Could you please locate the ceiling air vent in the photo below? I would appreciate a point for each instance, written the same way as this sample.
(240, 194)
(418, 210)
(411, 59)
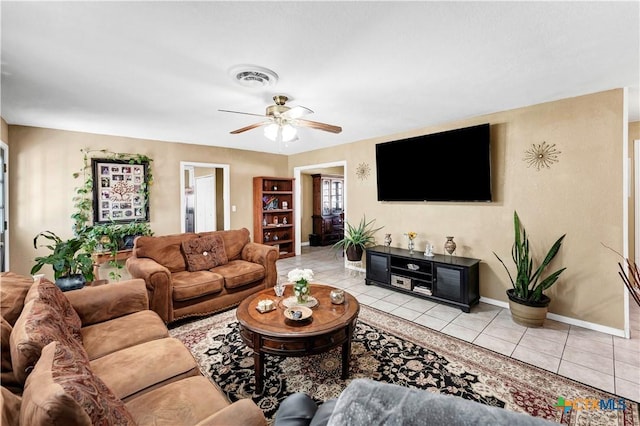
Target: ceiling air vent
(253, 76)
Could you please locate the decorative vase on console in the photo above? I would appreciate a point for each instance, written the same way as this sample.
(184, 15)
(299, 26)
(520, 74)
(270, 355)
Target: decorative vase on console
(387, 240)
(300, 279)
(411, 236)
(450, 245)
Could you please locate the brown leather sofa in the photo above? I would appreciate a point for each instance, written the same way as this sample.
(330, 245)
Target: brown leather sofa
(195, 274)
(98, 355)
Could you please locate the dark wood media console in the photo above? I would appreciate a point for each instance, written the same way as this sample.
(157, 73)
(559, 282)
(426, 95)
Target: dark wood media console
(448, 279)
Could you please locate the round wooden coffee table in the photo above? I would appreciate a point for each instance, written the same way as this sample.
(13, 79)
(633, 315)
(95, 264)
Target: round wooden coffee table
(272, 333)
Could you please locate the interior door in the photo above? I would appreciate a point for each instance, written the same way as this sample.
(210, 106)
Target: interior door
(205, 207)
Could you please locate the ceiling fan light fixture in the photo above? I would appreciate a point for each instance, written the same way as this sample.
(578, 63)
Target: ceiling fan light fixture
(289, 133)
(253, 76)
(286, 132)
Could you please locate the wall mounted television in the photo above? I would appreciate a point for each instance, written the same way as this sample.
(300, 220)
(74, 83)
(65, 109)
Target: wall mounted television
(454, 165)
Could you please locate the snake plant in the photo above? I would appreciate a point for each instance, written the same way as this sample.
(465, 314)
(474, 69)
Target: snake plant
(528, 283)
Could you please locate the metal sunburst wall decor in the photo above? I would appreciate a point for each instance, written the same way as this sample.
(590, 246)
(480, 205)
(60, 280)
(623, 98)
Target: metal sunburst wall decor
(541, 155)
(362, 171)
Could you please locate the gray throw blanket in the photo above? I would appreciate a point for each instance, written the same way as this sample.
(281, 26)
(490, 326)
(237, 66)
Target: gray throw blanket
(369, 403)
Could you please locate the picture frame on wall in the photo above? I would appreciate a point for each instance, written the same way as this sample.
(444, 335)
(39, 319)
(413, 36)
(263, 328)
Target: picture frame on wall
(119, 191)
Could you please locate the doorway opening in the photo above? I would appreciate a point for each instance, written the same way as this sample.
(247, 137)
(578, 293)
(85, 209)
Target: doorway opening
(297, 194)
(204, 197)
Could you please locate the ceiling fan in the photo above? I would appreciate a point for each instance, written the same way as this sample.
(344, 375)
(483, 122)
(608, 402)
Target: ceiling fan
(281, 121)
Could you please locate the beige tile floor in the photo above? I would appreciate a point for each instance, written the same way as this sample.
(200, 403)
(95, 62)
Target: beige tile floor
(601, 360)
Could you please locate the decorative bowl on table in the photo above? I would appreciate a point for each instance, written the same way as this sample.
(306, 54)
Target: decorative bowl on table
(298, 313)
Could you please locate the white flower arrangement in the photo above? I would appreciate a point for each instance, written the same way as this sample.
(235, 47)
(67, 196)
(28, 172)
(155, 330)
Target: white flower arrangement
(302, 276)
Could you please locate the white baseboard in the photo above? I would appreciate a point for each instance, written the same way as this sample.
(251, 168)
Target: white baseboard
(567, 320)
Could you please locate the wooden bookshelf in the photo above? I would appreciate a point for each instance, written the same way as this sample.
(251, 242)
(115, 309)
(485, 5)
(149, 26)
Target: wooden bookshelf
(273, 213)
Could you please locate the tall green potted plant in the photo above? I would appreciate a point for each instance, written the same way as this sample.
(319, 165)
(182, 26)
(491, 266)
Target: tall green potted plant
(71, 268)
(357, 238)
(527, 301)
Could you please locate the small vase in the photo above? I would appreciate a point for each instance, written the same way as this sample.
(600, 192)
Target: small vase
(337, 296)
(301, 290)
(450, 245)
(411, 246)
(387, 240)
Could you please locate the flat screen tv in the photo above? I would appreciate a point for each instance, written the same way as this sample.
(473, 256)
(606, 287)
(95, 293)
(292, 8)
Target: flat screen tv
(454, 165)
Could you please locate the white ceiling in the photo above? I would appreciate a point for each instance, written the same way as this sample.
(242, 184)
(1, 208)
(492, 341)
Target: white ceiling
(159, 70)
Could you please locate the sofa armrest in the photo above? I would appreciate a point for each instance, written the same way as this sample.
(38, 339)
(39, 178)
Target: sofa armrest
(158, 282)
(241, 413)
(108, 301)
(264, 255)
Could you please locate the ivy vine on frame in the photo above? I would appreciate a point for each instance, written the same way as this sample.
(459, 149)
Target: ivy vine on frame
(83, 200)
(106, 237)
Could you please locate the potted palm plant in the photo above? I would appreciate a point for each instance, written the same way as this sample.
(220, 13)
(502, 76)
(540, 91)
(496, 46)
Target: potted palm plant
(527, 301)
(71, 269)
(357, 238)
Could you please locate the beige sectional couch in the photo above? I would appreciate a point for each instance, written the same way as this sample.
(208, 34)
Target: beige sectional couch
(194, 274)
(98, 355)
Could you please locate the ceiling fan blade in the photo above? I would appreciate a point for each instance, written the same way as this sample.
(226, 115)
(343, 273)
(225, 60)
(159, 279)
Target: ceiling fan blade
(297, 112)
(240, 112)
(320, 126)
(250, 127)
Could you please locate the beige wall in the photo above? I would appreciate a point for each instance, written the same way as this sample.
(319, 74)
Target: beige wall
(581, 196)
(306, 210)
(42, 186)
(634, 135)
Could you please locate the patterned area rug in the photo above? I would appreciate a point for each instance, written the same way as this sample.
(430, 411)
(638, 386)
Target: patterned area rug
(390, 349)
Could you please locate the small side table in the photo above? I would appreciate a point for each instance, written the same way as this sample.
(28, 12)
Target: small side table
(100, 258)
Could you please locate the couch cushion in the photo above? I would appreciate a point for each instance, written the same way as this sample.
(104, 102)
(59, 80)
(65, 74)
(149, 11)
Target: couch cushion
(6, 376)
(13, 290)
(38, 325)
(204, 253)
(185, 402)
(190, 285)
(106, 337)
(49, 293)
(145, 366)
(234, 241)
(238, 273)
(95, 304)
(165, 249)
(10, 404)
(63, 390)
